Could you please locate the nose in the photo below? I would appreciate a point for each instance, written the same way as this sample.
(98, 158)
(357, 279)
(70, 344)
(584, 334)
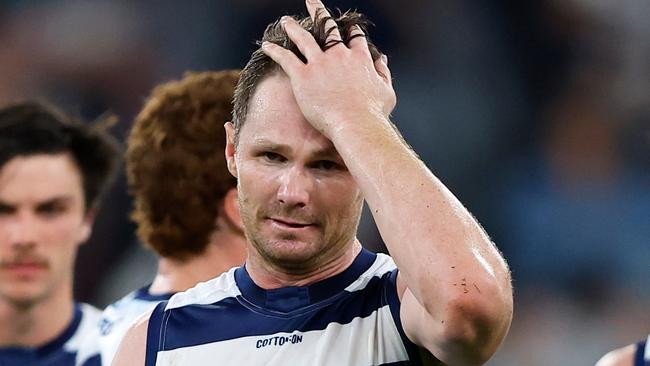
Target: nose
(21, 231)
(295, 187)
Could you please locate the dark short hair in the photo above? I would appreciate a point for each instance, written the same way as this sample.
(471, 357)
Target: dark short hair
(175, 162)
(261, 66)
(31, 128)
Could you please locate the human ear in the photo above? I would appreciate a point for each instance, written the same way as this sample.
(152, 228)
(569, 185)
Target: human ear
(230, 148)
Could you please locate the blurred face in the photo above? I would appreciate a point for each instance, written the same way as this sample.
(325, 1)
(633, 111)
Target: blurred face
(42, 222)
(299, 204)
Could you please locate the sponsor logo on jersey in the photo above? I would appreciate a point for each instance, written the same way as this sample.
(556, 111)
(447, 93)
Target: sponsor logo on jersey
(278, 340)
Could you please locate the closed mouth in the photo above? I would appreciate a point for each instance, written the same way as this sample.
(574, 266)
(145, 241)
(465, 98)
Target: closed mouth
(290, 223)
(23, 265)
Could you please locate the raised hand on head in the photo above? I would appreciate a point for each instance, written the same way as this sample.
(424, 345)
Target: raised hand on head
(339, 85)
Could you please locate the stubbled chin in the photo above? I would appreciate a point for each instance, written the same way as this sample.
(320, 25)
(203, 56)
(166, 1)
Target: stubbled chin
(290, 246)
(289, 250)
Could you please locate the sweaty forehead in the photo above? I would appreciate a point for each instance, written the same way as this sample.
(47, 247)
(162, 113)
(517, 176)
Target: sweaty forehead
(275, 116)
(273, 96)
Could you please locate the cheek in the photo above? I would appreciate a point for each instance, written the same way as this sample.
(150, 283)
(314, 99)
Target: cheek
(5, 233)
(62, 244)
(62, 232)
(340, 193)
(342, 201)
(256, 184)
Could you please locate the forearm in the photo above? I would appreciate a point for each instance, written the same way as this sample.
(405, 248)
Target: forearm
(442, 252)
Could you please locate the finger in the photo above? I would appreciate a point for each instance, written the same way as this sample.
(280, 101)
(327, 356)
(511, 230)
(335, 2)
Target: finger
(381, 65)
(358, 40)
(287, 60)
(300, 37)
(317, 11)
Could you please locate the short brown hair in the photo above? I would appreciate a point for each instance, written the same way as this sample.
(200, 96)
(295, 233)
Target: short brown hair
(31, 128)
(175, 162)
(260, 65)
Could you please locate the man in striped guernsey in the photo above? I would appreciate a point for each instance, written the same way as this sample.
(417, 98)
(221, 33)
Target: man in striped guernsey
(175, 166)
(310, 140)
(53, 170)
(637, 354)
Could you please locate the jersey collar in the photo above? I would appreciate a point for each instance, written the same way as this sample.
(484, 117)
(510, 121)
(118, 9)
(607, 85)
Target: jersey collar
(287, 299)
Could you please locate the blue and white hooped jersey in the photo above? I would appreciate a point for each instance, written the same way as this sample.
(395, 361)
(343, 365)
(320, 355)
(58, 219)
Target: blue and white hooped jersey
(74, 347)
(642, 357)
(350, 319)
(117, 318)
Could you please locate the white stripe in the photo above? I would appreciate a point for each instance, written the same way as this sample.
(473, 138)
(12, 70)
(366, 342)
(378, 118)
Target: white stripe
(208, 292)
(84, 341)
(225, 286)
(120, 316)
(382, 265)
(646, 354)
(372, 340)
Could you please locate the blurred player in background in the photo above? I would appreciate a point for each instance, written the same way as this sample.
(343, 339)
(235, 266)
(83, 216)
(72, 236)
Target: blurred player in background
(637, 354)
(185, 198)
(53, 172)
(311, 140)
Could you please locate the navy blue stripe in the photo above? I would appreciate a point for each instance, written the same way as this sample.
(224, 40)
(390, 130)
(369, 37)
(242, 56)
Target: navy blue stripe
(638, 357)
(51, 354)
(392, 297)
(153, 334)
(96, 360)
(144, 295)
(235, 317)
(294, 297)
(19, 356)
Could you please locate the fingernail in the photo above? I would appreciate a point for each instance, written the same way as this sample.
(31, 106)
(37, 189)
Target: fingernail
(313, 1)
(384, 58)
(266, 44)
(286, 19)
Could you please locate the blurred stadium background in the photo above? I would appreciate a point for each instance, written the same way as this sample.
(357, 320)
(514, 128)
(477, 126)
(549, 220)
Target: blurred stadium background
(535, 113)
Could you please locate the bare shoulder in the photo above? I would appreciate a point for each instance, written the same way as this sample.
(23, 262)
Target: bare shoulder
(132, 349)
(619, 357)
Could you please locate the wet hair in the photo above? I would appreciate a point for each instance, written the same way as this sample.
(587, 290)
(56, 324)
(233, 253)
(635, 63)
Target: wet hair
(31, 128)
(175, 162)
(261, 66)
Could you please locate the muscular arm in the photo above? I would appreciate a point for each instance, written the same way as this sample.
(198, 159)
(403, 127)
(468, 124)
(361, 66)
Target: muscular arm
(133, 348)
(454, 284)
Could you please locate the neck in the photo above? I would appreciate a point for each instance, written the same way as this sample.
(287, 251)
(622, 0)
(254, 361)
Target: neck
(34, 325)
(268, 276)
(225, 250)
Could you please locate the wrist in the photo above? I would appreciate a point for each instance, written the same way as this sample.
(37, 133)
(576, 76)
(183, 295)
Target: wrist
(365, 122)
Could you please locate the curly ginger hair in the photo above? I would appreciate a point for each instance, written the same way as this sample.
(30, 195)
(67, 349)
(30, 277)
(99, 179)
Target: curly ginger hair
(175, 162)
